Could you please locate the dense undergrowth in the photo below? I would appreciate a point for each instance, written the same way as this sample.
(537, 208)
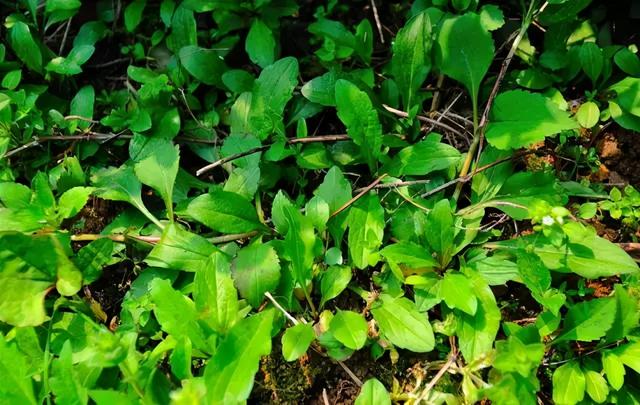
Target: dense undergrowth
(210, 201)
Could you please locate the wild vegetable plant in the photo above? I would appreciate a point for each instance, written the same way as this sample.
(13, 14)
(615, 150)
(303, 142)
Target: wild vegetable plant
(192, 191)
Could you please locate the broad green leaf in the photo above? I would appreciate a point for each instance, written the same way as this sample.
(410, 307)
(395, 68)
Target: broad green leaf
(486, 184)
(627, 61)
(401, 323)
(205, 65)
(17, 386)
(592, 60)
(321, 89)
(29, 268)
(336, 191)
(513, 355)
(256, 270)
(179, 249)
(614, 369)
(24, 46)
(586, 254)
(296, 340)
(224, 211)
(317, 210)
(596, 386)
(121, 184)
(373, 392)
(66, 383)
(512, 126)
(411, 58)
(627, 315)
(440, 232)
(215, 296)
(11, 80)
(72, 201)
(356, 112)
(272, 90)
(82, 105)
(476, 333)
(334, 280)
(588, 114)
(533, 272)
(465, 51)
(177, 314)
(183, 29)
(159, 171)
(629, 354)
(588, 320)
(410, 254)
(133, 14)
(91, 258)
(491, 17)
(457, 292)
(238, 81)
(366, 229)
(568, 384)
(260, 44)
(230, 372)
(423, 158)
(350, 328)
(299, 242)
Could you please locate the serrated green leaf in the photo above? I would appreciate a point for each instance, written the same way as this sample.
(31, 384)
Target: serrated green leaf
(356, 111)
(465, 51)
(568, 384)
(215, 295)
(423, 158)
(373, 392)
(260, 44)
(179, 249)
(230, 373)
(596, 386)
(457, 292)
(512, 126)
(410, 254)
(350, 328)
(614, 369)
(296, 340)
(411, 60)
(256, 270)
(440, 232)
(177, 314)
(159, 171)
(224, 211)
(588, 320)
(334, 280)
(205, 65)
(366, 229)
(18, 384)
(401, 323)
(476, 333)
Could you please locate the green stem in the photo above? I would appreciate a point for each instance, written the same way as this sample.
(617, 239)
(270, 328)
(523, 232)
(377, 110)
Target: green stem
(47, 358)
(472, 150)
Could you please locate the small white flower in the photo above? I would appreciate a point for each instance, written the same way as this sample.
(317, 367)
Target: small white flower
(548, 220)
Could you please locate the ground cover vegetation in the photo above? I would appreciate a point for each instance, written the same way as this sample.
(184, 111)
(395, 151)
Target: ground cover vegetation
(221, 201)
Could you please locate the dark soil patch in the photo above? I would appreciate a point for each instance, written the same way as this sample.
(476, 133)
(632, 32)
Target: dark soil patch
(619, 151)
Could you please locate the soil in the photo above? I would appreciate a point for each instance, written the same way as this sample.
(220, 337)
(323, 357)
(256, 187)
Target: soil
(619, 151)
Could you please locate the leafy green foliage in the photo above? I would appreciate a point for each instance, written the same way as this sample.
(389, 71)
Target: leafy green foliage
(183, 183)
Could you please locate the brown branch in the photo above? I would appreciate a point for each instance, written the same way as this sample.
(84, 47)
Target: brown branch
(376, 17)
(123, 238)
(422, 118)
(466, 178)
(93, 136)
(396, 184)
(310, 139)
(357, 197)
(453, 356)
(484, 120)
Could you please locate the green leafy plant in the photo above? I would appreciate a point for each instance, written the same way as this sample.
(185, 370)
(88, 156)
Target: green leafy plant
(210, 202)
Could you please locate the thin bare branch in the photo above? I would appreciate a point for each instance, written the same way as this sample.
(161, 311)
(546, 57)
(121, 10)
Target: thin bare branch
(357, 196)
(376, 17)
(310, 139)
(422, 118)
